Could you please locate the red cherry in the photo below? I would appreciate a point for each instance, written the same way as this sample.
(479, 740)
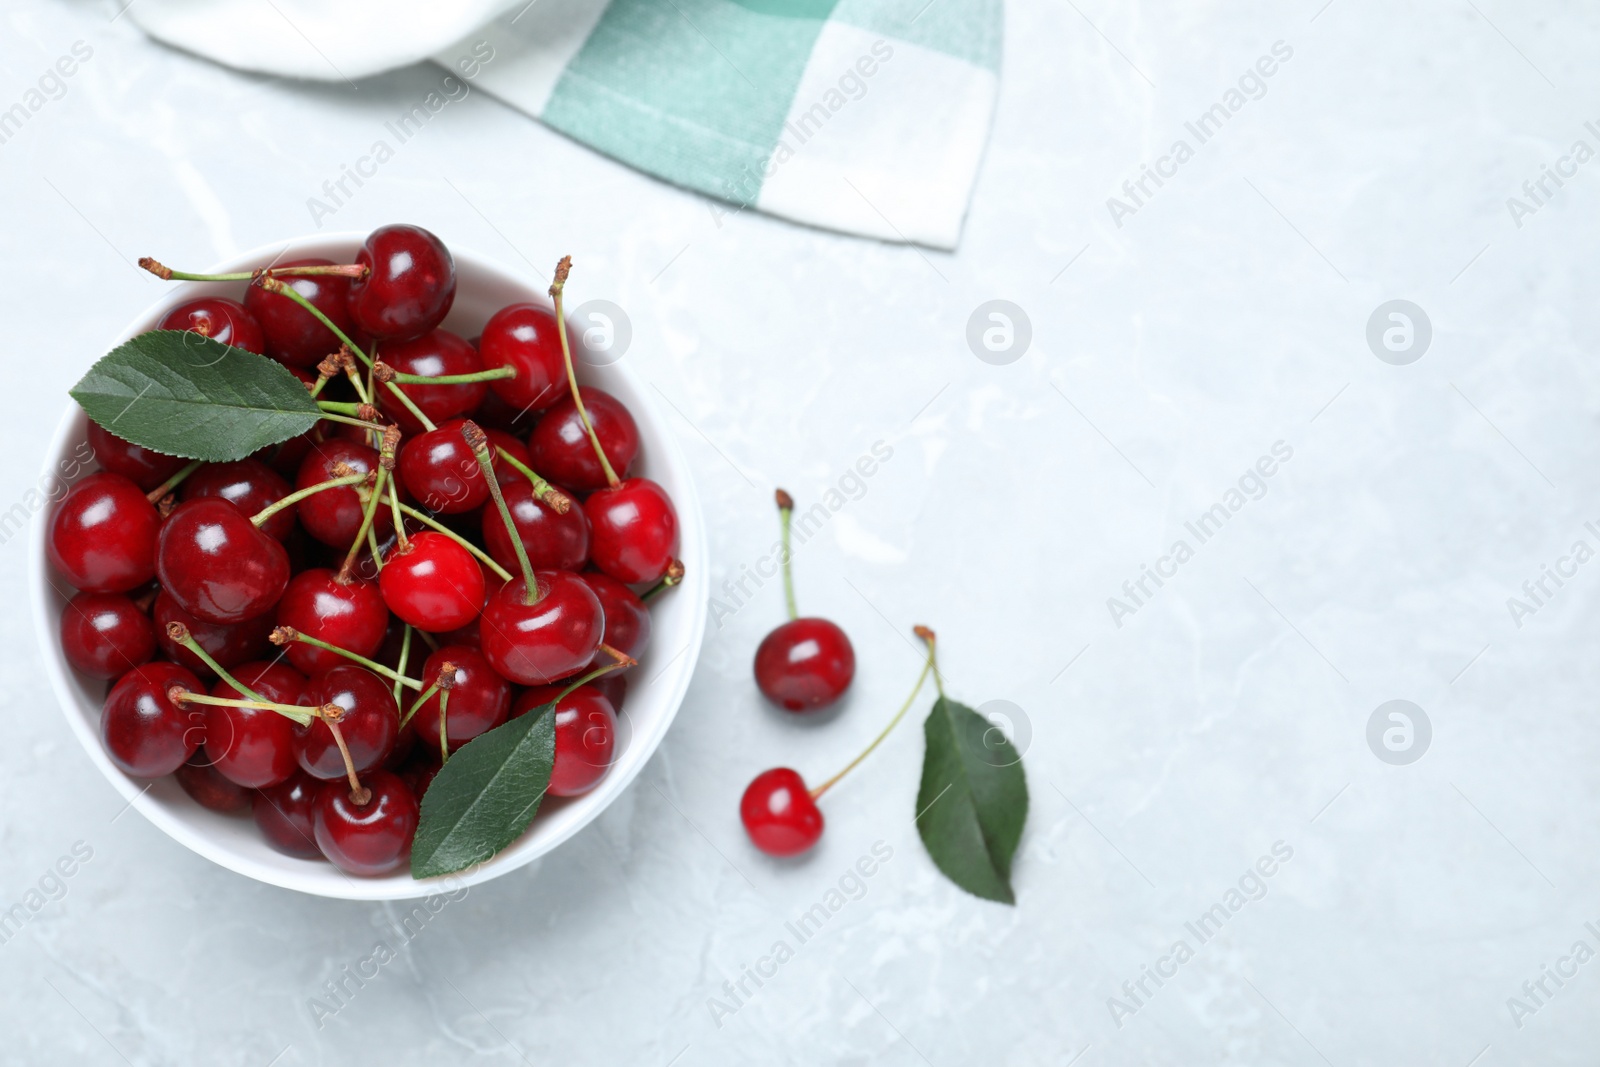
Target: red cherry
(349, 614)
(210, 789)
(805, 664)
(410, 285)
(253, 746)
(366, 839)
(779, 814)
(553, 541)
(432, 355)
(441, 472)
(524, 336)
(634, 530)
(480, 700)
(105, 635)
(613, 686)
(562, 451)
(145, 468)
(103, 536)
(627, 618)
(145, 734)
(432, 583)
(499, 439)
(370, 724)
(333, 516)
(228, 643)
(293, 335)
(250, 484)
(283, 814)
(552, 638)
(220, 319)
(586, 737)
(217, 565)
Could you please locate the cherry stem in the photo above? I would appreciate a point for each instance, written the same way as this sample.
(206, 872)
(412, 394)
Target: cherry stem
(478, 441)
(178, 632)
(302, 715)
(927, 666)
(785, 513)
(284, 634)
(400, 667)
(933, 655)
(444, 707)
(454, 379)
(563, 268)
(173, 482)
(542, 489)
(401, 542)
(374, 495)
(386, 375)
(300, 494)
(673, 577)
(166, 273)
(428, 520)
(359, 794)
(416, 704)
(372, 546)
(334, 416)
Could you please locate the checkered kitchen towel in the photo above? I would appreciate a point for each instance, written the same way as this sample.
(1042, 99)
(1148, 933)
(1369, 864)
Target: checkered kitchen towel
(866, 116)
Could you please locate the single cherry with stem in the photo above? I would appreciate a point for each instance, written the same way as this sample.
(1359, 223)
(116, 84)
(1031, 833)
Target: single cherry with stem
(346, 611)
(254, 747)
(478, 698)
(294, 335)
(428, 370)
(560, 444)
(359, 731)
(432, 582)
(806, 663)
(554, 539)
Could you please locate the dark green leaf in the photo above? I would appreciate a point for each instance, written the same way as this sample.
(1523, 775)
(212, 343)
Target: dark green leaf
(186, 395)
(486, 795)
(973, 800)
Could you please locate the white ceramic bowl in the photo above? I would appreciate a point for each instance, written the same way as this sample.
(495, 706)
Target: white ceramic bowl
(655, 688)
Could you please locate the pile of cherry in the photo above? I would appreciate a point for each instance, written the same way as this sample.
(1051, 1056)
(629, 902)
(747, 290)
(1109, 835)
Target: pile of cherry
(310, 632)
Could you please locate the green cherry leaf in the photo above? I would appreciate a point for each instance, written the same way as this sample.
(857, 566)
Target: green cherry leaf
(186, 395)
(973, 800)
(485, 795)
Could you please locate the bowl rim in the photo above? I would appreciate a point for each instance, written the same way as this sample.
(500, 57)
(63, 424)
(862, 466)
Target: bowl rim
(321, 878)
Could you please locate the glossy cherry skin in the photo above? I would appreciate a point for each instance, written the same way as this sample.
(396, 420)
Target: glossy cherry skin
(228, 643)
(145, 734)
(627, 618)
(145, 468)
(499, 439)
(250, 484)
(633, 530)
(105, 635)
(220, 319)
(410, 285)
(103, 535)
(210, 789)
(779, 814)
(551, 639)
(562, 451)
(369, 839)
(333, 516)
(283, 815)
(252, 746)
(480, 701)
(370, 725)
(586, 735)
(432, 583)
(805, 664)
(440, 470)
(217, 565)
(293, 335)
(349, 614)
(553, 541)
(523, 336)
(432, 355)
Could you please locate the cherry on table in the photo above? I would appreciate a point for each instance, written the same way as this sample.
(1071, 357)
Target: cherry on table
(250, 485)
(524, 337)
(283, 815)
(410, 284)
(105, 635)
(432, 583)
(433, 355)
(561, 448)
(220, 319)
(254, 747)
(145, 467)
(145, 734)
(228, 643)
(217, 564)
(633, 530)
(552, 540)
(479, 700)
(292, 334)
(350, 614)
(807, 663)
(779, 814)
(370, 723)
(103, 535)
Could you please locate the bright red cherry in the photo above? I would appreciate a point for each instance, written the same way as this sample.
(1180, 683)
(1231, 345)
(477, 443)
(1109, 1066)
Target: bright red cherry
(145, 734)
(333, 516)
(293, 335)
(479, 701)
(217, 565)
(432, 355)
(562, 451)
(779, 814)
(627, 618)
(228, 643)
(523, 336)
(553, 541)
(432, 583)
(350, 614)
(805, 664)
(105, 635)
(250, 484)
(552, 638)
(103, 536)
(254, 747)
(220, 319)
(209, 788)
(441, 472)
(145, 468)
(366, 839)
(410, 285)
(634, 530)
(370, 724)
(283, 814)
(586, 735)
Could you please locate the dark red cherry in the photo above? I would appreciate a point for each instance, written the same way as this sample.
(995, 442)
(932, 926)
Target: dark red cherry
(504, 472)
(497, 413)
(633, 530)
(252, 746)
(333, 516)
(441, 472)
(523, 336)
(805, 664)
(217, 565)
(562, 451)
(432, 355)
(228, 643)
(779, 814)
(627, 618)
(293, 335)
(209, 788)
(283, 814)
(479, 702)
(613, 686)
(553, 541)
(554, 637)
(144, 468)
(250, 484)
(366, 839)
(410, 285)
(349, 614)
(145, 734)
(105, 635)
(370, 724)
(419, 772)
(103, 535)
(220, 319)
(432, 583)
